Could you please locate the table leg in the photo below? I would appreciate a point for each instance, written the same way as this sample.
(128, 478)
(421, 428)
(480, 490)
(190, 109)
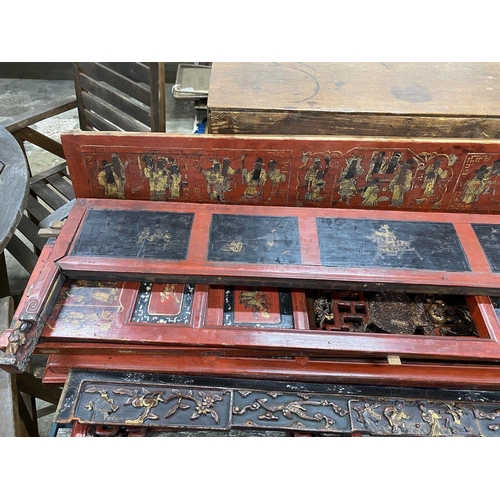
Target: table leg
(4, 278)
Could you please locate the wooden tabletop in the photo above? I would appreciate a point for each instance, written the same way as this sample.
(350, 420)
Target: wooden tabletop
(426, 99)
(14, 185)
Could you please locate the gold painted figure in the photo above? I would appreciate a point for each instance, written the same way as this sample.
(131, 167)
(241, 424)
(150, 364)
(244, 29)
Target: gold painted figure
(255, 180)
(376, 165)
(401, 183)
(480, 183)
(169, 291)
(348, 179)
(315, 179)
(388, 244)
(276, 177)
(433, 174)
(257, 302)
(216, 183)
(159, 178)
(175, 182)
(228, 171)
(159, 236)
(235, 246)
(112, 177)
(370, 194)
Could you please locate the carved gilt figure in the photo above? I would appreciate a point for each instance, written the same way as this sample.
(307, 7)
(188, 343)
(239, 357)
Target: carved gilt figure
(323, 311)
(456, 424)
(396, 417)
(431, 417)
(369, 417)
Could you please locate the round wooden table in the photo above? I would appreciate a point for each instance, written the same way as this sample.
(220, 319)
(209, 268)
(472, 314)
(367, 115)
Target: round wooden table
(14, 189)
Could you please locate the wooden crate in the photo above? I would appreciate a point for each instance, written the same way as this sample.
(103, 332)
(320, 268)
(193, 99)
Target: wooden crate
(365, 99)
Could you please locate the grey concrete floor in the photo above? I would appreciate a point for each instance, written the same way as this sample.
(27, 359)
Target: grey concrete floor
(18, 95)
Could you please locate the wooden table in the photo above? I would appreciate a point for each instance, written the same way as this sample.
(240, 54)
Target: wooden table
(377, 99)
(14, 188)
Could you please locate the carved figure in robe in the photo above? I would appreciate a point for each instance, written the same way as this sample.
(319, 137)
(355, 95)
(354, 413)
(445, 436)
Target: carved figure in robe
(348, 179)
(276, 177)
(175, 181)
(370, 193)
(401, 183)
(315, 179)
(480, 183)
(433, 174)
(216, 183)
(112, 177)
(159, 180)
(396, 417)
(432, 418)
(255, 180)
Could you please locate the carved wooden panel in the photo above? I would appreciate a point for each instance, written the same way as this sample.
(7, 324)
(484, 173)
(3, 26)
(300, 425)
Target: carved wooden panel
(163, 402)
(448, 175)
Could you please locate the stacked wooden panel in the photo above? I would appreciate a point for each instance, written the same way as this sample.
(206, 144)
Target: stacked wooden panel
(363, 261)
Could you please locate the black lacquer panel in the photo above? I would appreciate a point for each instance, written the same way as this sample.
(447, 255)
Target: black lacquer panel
(489, 237)
(135, 234)
(393, 244)
(167, 303)
(254, 239)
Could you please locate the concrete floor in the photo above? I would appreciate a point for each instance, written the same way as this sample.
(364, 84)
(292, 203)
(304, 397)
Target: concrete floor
(26, 86)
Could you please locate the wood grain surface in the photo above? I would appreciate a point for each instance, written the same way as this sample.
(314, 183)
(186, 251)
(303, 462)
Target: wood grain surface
(396, 99)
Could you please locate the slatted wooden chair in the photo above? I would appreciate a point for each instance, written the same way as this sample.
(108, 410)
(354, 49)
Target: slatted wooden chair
(48, 191)
(121, 96)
